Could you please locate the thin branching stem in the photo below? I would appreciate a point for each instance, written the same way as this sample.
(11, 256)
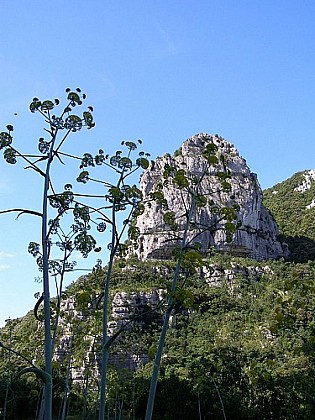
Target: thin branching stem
(22, 211)
(46, 291)
(32, 165)
(17, 353)
(159, 352)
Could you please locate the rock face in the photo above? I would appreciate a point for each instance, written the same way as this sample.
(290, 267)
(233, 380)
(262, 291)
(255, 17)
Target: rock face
(257, 235)
(309, 178)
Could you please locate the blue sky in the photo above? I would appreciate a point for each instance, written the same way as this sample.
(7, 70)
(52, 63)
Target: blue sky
(160, 71)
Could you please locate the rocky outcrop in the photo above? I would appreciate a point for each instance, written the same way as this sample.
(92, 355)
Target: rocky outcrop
(126, 305)
(141, 310)
(308, 180)
(257, 233)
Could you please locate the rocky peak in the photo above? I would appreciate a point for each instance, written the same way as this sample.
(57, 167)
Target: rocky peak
(257, 235)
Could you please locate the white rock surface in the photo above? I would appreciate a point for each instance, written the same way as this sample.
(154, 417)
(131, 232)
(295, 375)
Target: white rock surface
(309, 178)
(257, 236)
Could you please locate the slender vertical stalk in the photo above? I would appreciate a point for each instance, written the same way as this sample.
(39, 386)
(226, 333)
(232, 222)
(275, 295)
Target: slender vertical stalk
(199, 406)
(71, 123)
(66, 391)
(114, 247)
(45, 254)
(85, 391)
(10, 375)
(59, 296)
(133, 400)
(159, 352)
(219, 395)
(39, 405)
(6, 402)
(105, 320)
(158, 355)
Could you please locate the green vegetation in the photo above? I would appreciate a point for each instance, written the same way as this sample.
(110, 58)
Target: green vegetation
(203, 338)
(244, 343)
(295, 220)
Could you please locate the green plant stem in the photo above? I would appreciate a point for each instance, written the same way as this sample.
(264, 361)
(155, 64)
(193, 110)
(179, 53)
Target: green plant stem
(66, 390)
(45, 254)
(105, 347)
(6, 402)
(105, 322)
(17, 353)
(219, 395)
(159, 352)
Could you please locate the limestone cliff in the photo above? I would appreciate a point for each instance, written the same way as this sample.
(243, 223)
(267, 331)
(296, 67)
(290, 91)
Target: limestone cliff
(257, 235)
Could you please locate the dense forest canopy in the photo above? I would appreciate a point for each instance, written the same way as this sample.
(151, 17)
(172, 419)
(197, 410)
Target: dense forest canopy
(291, 203)
(242, 346)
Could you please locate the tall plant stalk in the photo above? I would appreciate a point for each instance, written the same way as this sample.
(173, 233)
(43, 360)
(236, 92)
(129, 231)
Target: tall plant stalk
(46, 288)
(114, 249)
(49, 151)
(105, 354)
(121, 198)
(189, 188)
(169, 308)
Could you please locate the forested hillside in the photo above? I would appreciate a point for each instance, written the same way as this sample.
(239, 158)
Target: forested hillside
(241, 344)
(292, 204)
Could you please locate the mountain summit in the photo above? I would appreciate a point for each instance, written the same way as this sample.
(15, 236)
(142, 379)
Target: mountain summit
(256, 236)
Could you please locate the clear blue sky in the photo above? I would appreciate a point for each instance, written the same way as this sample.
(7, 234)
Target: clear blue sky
(160, 71)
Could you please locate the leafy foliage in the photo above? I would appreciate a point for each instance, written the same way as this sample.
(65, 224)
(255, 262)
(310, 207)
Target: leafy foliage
(294, 215)
(241, 331)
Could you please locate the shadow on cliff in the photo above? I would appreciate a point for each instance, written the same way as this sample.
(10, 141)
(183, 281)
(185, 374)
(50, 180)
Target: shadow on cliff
(302, 248)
